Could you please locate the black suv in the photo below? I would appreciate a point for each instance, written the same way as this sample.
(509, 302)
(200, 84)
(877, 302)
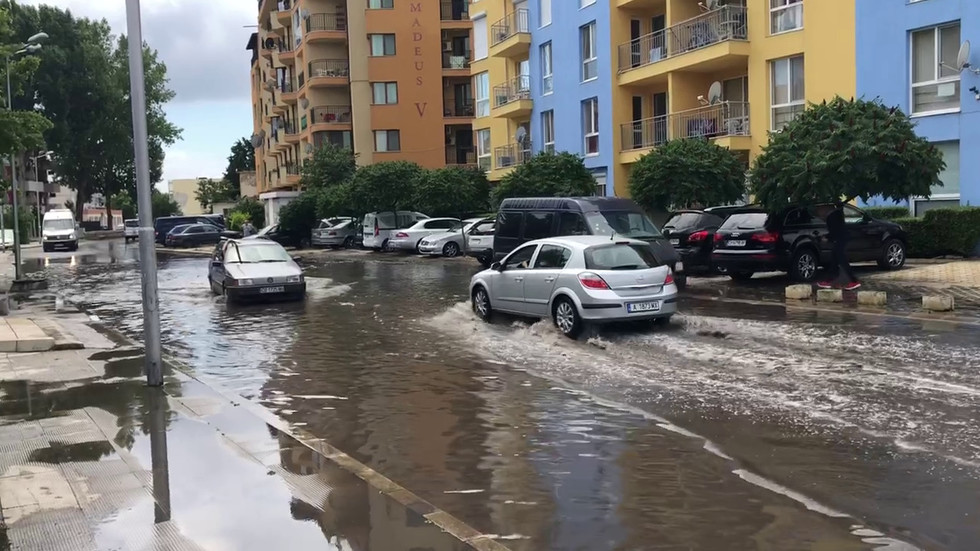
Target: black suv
(795, 241)
(692, 232)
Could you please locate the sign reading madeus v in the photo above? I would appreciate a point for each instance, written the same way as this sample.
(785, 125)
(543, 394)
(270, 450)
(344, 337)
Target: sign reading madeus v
(417, 29)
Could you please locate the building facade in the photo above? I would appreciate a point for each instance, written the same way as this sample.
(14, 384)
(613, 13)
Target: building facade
(907, 56)
(184, 193)
(388, 78)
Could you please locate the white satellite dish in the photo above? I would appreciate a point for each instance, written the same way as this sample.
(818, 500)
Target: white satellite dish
(963, 58)
(256, 140)
(304, 103)
(714, 93)
(520, 135)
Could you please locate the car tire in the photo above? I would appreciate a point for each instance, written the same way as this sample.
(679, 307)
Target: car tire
(418, 247)
(46, 248)
(893, 255)
(349, 242)
(481, 303)
(741, 276)
(662, 322)
(566, 317)
(450, 250)
(803, 266)
(384, 247)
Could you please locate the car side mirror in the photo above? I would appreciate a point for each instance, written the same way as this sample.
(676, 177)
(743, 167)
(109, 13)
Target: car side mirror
(497, 266)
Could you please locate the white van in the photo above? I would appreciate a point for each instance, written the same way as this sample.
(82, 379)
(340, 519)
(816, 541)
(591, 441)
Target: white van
(377, 227)
(131, 230)
(59, 230)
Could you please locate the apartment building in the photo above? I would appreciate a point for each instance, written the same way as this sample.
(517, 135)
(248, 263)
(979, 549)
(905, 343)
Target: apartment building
(907, 55)
(388, 78)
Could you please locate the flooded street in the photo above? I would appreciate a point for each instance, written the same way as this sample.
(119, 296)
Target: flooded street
(738, 427)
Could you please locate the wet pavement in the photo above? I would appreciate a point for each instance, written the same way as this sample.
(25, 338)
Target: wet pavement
(739, 427)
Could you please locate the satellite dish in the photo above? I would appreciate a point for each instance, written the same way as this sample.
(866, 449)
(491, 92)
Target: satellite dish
(714, 93)
(309, 149)
(520, 135)
(262, 134)
(256, 140)
(963, 58)
(304, 13)
(270, 84)
(304, 103)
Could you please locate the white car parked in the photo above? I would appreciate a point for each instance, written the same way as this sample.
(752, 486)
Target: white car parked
(450, 243)
(377, 227)
(410, 238)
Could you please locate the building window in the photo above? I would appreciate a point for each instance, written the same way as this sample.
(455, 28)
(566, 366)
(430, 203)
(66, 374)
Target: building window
(948, 194)
(384, 93)
(387, 140)
(785, 16)
(935, 77)
(545, 7)
(340, 138)
(483, 148)
(548, 131)
(482, 86)
(590, 125)
(381, 4)
(480, 37)
(382, 44)
(547, 76)
(590, 62)
(585, 3)
(788, 91)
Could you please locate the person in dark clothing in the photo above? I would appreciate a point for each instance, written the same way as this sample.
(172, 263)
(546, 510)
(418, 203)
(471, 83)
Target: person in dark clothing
(838, 234)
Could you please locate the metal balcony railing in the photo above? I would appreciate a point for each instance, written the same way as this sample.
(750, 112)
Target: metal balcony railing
(329, 68)
(728, 118)
(459, 107)
(719, 25)
(286, 86)
(289, 128)
(452, 60)
(512, 155)
(331, 114)
(300, 81)
(454, 10)
(326, 22)
(292, 169)
(459, 155)
(516, 89)
(284, 5)
(512, 24)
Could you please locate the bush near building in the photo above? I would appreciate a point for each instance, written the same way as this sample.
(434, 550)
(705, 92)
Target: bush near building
(888, 213)
(942, 232)
(684, 174)
(547, 175)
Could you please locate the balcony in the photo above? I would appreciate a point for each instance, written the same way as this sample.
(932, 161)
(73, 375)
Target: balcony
(726, 122)
(454, 10)
(291, 132)
(289, 91)
(330, 117)
(287, 54)
(292, 171)
(325, 73)
(326, 27)
(462, 108)
(284, 11)
(713, 41)
(452, 61)
(513, 99)
(512, 155)
(510, 36)
(457, 155)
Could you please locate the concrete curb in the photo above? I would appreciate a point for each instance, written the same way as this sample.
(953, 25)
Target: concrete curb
(938, 303)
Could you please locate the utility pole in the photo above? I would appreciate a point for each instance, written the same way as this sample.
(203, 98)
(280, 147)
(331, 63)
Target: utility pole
(148, 253)
(13, 186)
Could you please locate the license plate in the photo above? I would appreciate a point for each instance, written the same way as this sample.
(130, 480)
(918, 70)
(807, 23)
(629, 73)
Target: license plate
(636, 307)
(268, 290)
(675, 242)
(736, 243)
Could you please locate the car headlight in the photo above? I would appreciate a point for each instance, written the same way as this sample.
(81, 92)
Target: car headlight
(244, 282)
(72, 236)
(294, 279)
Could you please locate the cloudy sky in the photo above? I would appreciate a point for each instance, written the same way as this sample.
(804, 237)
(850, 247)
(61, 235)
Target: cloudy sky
(203, 44)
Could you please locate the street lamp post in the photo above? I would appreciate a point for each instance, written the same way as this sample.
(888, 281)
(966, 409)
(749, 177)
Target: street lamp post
(37, 180)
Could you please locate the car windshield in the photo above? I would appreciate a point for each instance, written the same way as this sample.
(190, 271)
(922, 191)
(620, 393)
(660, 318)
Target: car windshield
(745, 221)
(683, 221)
(635, 225)
(267, 230)
(253, 254)
(59, 224)
(619, 256)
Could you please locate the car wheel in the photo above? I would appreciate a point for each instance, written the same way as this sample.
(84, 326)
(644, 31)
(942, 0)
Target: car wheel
(892, 255)
(481, 304)
(804, 265)
(418, 247)
(662, 322)
(349, 242)
(304, 243)
(450, 250)
(384, 246)
(741, 276)
(566, 317)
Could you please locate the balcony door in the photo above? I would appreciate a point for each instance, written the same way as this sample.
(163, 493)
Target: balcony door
(659, 104)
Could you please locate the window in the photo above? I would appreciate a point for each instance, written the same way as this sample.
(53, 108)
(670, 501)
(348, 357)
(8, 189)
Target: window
(948, 194)
(590, 125)
(585, 3)
(483, 148)
(521, 258)
(552, 257)
(442, 225)
(381, 4)
(572, 223)
(482, 86)
(387, 140)
(547, 76)
(480, 48)
(384, 93)
(621, 257)
(537, 225)
(548, 131)
(509, 224)
(382, 44)
(785, 16)
(935, 79)
(340, 138)
(545, 8)
(788, 92)
(590, 69)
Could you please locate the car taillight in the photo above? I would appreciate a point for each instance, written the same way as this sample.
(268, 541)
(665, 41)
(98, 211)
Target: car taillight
(377, 230)
(697, 236)
(331, 233)
(768, 237)
(718, 238)
(592, 281)
(401, 235)
(670, 277)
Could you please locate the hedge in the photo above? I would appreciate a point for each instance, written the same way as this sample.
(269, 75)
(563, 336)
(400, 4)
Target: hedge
(943, 232)
(888, 213)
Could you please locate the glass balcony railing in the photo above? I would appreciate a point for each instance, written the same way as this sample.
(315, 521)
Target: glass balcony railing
(454, 10)
(460, 155)
(461, 107)
(326, 22)
(329, 68)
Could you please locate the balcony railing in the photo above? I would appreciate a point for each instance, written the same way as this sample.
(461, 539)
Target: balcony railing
(728, 118)
(284, 5)
(515, 90)
(454, 10)
(289, 128)
(459, 155)
(329, 68)
(286, 86)
(720, 25)
(451, 60)
(512, 155)
(462, 107)
(511, 25)
(292, 169)
(300, 81)
(331, 114)
(326, 22)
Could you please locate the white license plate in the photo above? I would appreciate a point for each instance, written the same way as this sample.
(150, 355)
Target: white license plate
(268, 290)
(675, 242)
(735, 243)
(636, 307)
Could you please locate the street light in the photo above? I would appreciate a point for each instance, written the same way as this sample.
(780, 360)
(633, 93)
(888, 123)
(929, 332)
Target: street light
(37, 180)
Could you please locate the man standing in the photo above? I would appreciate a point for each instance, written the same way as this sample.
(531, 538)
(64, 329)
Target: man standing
(838, 234)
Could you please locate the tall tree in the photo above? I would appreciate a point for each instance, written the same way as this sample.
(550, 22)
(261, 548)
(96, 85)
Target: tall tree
(242, 159)
(547, 175)
(22, 129)
(209, 192)
(692, 173)
(330, 165)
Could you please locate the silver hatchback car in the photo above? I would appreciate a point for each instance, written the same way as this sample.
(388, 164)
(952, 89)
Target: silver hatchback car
(578, 280)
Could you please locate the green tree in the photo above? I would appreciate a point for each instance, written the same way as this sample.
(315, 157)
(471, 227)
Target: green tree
(385, 186)
(124, 202)
(844, 150)
(253, 209)
(242, 159)
(22, 129)
(547, 175)
(210, 191)
(330, 165)
(453, 191)
(299, 216)
(692, 173)
(164, 205)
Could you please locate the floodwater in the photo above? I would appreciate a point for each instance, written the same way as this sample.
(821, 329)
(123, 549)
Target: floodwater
(738, 427)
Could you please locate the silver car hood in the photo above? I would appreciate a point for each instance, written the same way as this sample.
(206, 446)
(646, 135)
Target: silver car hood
(259, 270)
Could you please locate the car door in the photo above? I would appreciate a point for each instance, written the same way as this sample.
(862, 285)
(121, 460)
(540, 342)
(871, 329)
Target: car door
(436, 226)
(861, 242)
(507, 290)
(540, 281)
(210, 235)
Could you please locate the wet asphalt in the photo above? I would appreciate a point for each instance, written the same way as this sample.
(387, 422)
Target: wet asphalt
(741, 426)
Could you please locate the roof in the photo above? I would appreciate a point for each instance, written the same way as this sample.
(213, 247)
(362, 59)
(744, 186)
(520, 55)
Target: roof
(586, 241)
(575, 204)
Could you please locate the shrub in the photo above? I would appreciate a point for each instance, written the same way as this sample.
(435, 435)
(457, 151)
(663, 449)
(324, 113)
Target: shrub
(236, 220)
(693, 173)
(888, 213)
(943, 232)
(253, 209)
(547, 175)
(298, 217)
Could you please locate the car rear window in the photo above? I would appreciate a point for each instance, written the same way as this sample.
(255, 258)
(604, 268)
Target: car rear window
(619, 256)
(746, 221)
(683, 221)
(132, 223)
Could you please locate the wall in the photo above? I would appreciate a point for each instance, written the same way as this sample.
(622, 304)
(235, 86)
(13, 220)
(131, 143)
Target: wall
(883, 61)
(183, 192)
(500, 134)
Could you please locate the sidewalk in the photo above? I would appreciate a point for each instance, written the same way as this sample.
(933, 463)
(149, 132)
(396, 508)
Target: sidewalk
(958, 278)
(91, 458)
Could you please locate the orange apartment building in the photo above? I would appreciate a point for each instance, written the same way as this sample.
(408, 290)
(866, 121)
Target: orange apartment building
(388, 78)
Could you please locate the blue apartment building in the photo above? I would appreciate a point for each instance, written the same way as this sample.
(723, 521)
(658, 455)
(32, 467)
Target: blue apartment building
(906, 55)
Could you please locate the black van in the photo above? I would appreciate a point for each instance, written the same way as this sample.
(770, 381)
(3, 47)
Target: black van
(164, 224)
(527, 219)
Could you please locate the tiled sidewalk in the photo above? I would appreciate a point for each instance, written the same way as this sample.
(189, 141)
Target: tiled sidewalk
(960, 273)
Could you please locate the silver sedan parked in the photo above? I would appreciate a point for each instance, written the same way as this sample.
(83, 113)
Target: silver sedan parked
(578, 280)
(254, 268)
(450, 243)
(336, 232)
(409, 239)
